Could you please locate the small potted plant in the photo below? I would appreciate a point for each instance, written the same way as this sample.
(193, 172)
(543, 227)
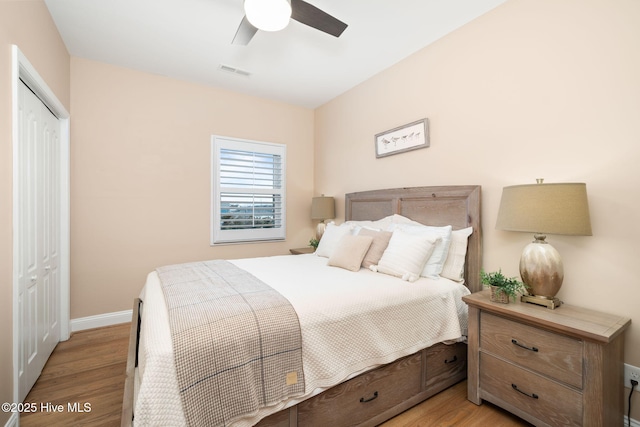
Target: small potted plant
(313, 242)
(502, 288)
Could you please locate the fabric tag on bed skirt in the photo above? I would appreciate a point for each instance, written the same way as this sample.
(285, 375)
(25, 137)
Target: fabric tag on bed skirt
(292, 378)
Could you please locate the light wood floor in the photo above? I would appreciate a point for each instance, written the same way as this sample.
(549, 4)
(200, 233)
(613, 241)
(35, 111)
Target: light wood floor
(89, 369)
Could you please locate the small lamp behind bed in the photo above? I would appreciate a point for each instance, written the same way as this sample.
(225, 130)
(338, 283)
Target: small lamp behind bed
(322, 208)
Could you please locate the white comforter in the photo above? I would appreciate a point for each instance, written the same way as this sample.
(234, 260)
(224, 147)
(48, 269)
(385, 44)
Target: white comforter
(350, 321)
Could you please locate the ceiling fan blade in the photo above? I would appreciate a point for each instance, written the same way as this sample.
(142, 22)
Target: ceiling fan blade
(310, 15)
(245, 32)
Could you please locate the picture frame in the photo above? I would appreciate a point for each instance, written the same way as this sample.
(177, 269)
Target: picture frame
(412, 136)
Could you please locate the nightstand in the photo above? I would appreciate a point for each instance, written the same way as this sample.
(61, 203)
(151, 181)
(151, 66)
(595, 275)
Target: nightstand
(300, 251)
(549, 367)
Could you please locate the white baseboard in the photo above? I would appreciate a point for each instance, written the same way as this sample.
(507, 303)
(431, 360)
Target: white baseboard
(14, 420)
(634, 423)
(101, 320)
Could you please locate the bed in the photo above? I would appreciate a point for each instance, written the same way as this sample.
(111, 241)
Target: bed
(370, 373)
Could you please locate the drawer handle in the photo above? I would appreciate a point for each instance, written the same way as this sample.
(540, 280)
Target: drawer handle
(524, 346)
(532, 395)
(452, 360)
(363, 400)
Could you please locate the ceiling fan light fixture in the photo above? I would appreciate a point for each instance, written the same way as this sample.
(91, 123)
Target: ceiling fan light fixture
(268, 15)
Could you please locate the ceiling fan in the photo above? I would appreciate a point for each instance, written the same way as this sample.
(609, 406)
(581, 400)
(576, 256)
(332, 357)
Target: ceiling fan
(299, 10)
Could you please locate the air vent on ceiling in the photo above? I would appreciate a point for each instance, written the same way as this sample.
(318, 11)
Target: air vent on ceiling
(234, 70)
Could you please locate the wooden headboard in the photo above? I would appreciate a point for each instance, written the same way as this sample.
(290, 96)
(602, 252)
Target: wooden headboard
(458, 206)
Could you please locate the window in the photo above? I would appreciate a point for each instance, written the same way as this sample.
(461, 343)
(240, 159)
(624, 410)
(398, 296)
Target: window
(248, 191)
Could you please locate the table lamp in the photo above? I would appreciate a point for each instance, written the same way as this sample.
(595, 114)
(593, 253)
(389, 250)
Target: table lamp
(322, 208)
(543, 209)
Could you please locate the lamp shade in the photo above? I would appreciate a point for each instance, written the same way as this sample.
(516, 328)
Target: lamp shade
(323, 208)
(560, 208)
(268, 15)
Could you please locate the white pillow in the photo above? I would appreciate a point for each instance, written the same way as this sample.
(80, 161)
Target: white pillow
(357, 225)
(380, 224)
(383, 223)
(435, 263)
(332, 235)
(406, 255)
(454, 265)
(399, 219)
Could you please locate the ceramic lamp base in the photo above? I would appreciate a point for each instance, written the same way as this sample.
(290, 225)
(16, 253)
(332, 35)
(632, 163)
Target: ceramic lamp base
(320, 230)
(541, 271)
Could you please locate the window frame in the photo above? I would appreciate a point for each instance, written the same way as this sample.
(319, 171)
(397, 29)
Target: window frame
(220, 236)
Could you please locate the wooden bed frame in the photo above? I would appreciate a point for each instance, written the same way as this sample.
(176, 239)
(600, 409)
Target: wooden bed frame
(380, 394)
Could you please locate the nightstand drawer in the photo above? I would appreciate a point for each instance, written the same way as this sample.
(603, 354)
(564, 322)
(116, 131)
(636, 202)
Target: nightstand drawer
(548, 353)
(540, 397)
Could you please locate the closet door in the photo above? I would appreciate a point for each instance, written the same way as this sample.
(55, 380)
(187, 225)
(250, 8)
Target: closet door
(49, 303)
(38, 236)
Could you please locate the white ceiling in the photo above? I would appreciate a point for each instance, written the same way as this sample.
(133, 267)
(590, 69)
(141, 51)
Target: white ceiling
(190, 39)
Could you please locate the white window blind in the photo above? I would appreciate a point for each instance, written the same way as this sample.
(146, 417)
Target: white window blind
(248, 200)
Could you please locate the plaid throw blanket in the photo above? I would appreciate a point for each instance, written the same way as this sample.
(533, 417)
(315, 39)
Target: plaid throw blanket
(236, 340)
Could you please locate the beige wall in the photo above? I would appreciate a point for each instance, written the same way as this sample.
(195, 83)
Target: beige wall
(533, 89)
(28, 25)
(140, 177)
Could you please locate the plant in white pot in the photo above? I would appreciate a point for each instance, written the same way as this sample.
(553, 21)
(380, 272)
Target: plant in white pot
(502, 288)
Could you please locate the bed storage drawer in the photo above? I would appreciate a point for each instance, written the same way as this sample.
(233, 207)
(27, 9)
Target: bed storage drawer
(279, 419)
(445, 365)
(364, 396)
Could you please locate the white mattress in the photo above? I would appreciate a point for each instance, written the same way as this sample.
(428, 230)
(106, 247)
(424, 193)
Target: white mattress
(350, 321)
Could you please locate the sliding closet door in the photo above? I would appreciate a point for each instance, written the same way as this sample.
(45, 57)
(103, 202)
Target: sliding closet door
(38, 235)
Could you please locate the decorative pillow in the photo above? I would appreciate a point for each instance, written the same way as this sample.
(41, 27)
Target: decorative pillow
(406, 255)
(454, 265)
(350, 252)
(332, 235)
(435, 264)
(378, 245)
